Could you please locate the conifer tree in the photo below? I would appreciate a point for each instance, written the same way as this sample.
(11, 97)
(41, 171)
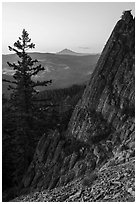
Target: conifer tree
(25, 69)
(23, 93)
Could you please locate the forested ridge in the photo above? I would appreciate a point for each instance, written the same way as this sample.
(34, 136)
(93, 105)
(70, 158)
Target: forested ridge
(54, 111)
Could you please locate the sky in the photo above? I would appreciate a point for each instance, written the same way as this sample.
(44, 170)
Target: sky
(81, 26)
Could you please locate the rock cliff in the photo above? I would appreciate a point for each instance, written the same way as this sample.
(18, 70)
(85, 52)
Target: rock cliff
(100, 135)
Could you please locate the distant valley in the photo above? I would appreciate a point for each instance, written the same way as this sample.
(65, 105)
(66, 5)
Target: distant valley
(64, 68)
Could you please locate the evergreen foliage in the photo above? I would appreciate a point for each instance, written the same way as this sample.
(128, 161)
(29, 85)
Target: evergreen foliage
(25, 69)
(24, 89)
(23, 109)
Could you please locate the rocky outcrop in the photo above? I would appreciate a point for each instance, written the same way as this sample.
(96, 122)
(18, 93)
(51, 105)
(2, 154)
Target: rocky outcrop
(110, 92)
(115, 183)
(102, 125)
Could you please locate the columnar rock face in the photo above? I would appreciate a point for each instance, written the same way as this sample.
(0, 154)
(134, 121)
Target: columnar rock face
(102, 125)
(110, 92)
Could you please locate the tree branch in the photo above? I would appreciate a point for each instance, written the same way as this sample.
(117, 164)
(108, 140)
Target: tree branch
(42, 83)
(5, 80)
(11, 87)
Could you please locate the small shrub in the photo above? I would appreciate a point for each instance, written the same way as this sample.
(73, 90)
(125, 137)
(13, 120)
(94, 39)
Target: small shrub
(88, 180)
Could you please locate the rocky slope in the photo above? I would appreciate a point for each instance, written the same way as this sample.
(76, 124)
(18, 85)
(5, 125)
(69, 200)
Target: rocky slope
(114, 182)
(94, 159)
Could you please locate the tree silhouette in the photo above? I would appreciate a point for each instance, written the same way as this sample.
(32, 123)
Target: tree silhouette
(22, 97)
(25, 69)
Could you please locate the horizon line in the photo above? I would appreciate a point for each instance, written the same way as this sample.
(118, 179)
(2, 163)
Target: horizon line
(88, 53)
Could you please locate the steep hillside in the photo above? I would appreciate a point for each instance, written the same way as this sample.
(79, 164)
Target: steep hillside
(94, 159)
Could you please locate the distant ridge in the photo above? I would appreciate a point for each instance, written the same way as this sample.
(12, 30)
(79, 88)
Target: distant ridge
(64, 70)
(70, 52)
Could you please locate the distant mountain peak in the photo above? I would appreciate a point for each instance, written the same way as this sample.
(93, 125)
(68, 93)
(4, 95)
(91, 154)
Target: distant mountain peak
(67, 52)
(70, 52)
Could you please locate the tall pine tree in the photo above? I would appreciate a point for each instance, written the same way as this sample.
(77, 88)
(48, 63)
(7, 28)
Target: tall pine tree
(25, 69)
(23, 93)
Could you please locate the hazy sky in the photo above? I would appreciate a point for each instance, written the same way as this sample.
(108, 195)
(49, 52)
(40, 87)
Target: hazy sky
(82, 27)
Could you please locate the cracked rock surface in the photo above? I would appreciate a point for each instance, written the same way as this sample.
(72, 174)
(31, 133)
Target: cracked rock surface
(115, 183)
